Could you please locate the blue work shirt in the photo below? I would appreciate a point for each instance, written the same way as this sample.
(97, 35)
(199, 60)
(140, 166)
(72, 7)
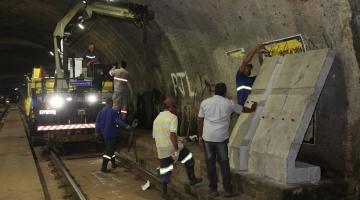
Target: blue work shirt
(243, 87)
(106, 122)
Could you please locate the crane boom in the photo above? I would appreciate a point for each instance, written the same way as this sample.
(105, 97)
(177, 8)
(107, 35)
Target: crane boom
(136, 13)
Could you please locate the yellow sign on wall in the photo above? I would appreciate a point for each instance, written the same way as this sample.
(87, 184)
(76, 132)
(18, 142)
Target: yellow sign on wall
(236, 53)
(283, 46)
(288, 45)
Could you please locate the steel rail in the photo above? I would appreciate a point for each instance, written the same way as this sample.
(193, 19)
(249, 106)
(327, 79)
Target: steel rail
(60, 166)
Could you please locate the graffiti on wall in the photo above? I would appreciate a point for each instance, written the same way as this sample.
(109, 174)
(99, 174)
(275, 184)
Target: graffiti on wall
(179, 81)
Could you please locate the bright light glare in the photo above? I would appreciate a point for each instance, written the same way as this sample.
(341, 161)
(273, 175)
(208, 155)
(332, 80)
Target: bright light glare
(92, 98)
(68, 99)
(51, 53)
(82, 27)
(84, 1)
(56, 101)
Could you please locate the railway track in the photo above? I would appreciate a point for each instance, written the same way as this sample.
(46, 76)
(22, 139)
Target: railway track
(75, 174)
(76, 192)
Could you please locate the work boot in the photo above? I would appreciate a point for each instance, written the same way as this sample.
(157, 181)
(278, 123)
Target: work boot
(164, 194)
(228, 194)
(104, 165)
(113, 163)
(213, 193)
(191, 175)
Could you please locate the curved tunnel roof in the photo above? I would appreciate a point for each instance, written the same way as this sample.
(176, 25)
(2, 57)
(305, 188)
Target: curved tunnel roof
(26, 28)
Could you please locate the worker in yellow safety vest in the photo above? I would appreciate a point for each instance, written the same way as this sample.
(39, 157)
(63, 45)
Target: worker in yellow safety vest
(169, 150)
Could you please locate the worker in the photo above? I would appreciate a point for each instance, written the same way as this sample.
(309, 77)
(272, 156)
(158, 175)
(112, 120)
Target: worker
(243, 80)
(106, 124)
(90, 58)
(169, 150)
(122, 88)
(213, 133)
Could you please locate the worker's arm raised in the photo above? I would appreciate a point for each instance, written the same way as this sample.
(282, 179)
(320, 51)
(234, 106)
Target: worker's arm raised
(250, 55)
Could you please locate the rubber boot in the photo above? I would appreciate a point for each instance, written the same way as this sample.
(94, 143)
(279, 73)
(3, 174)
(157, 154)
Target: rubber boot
(191, 175)
(164, 194)
(104, 165)
(113, 163)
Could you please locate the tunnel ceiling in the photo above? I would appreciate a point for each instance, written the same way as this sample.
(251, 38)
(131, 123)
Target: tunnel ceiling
(26, 35)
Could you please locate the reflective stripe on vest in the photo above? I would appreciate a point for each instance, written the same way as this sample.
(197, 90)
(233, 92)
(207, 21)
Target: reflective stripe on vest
(120, 79)
(243, 87)
(123, 111)
(105, 156)
(187, 158)
(166, 169)
(91, 57)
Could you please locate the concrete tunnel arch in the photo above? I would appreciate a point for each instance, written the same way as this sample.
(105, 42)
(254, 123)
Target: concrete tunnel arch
(185, 38)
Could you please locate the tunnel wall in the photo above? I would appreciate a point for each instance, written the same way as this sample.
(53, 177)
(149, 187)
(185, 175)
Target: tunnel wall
(187, 44)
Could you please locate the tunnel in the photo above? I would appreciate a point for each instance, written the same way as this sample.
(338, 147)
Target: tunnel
(182, 53)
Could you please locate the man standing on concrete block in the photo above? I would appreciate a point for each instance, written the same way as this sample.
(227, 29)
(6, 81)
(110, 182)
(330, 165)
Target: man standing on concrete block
(213, 128)
(243, 80)
(168, 149)
(122, 88)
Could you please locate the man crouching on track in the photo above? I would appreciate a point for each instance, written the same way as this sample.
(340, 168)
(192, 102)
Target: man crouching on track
(106, 123)
(169, 152)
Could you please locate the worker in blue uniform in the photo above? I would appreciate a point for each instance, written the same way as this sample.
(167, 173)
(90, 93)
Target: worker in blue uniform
(244, 81)
(107, 121)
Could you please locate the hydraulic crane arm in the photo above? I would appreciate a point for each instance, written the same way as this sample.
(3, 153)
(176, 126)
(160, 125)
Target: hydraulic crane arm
(135, 13)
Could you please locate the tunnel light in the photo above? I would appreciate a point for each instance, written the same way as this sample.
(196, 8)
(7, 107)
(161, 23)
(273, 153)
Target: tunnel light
(51, 53)
(84, 2)
(81, 26)
(56, 101)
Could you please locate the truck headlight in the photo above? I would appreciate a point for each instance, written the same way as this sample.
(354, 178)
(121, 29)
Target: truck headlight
(68, 99)
(56, 101)
(92, 98)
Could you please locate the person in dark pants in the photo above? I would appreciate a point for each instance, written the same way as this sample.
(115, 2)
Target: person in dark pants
(169, 150)
(213, 129)
(106, 124)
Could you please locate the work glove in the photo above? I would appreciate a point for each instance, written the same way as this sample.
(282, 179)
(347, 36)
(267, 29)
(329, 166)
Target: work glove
(175, 156)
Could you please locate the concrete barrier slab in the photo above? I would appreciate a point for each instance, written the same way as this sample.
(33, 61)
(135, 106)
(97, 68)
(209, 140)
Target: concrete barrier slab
(288, 89)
